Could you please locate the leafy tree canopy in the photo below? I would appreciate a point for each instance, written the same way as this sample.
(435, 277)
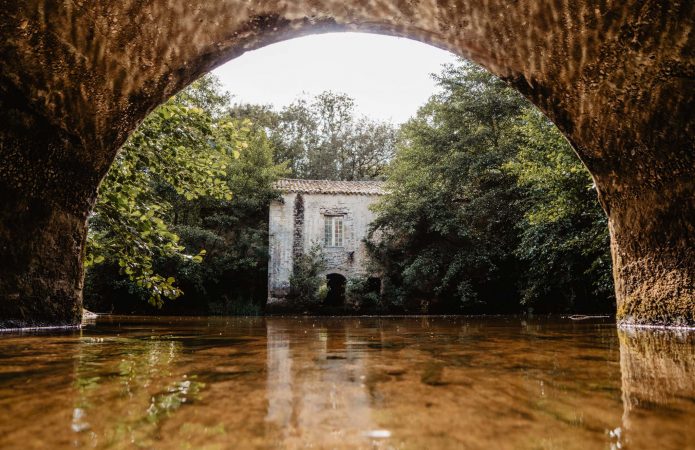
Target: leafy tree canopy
(323, 138)
(187, 145)
(564, 243)
(489, 208)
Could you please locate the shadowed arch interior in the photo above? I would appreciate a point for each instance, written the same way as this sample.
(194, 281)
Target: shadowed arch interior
(617, 79)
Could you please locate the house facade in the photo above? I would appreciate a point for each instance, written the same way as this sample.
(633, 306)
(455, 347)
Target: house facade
(332, 214)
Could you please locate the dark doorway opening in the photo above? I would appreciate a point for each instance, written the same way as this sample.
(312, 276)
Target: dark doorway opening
(374, 285)
(336, 289)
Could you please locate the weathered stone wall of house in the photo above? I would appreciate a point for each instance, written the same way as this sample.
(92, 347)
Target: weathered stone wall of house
(348, 260)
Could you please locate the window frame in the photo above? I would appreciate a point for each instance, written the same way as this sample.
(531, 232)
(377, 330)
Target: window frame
(337, 235)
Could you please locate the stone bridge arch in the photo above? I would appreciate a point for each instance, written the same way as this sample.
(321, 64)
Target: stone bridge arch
(618, 78)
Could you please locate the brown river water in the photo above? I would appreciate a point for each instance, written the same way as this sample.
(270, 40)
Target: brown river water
(309, 382)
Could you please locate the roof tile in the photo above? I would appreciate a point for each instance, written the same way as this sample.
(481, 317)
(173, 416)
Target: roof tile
(330, 186)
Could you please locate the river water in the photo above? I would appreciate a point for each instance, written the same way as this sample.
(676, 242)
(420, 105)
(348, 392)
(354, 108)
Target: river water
(389, 382)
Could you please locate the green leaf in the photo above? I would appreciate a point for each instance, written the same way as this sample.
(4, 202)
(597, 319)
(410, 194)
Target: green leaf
(180, 153)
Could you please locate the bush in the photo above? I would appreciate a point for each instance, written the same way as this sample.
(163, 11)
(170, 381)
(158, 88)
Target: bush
(237, 307)
(362, 292)
(306, 285)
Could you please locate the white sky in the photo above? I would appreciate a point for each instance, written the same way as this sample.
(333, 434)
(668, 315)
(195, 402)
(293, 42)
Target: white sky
(388, 77)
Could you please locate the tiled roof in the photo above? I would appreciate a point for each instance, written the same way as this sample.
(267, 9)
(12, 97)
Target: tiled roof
(330, 187)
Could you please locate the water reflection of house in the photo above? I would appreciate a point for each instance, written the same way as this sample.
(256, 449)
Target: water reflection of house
(316, 388)
(332, 214)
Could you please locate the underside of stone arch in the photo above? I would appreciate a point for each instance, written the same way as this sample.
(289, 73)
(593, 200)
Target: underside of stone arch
(617, 78)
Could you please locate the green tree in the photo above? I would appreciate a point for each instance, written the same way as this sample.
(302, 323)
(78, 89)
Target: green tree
(185, 146)
(564, 233)
(444, 230)
(489, 208)
(324, 139)
(233, 277)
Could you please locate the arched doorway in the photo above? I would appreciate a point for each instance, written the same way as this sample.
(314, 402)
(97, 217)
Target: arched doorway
(336, 289)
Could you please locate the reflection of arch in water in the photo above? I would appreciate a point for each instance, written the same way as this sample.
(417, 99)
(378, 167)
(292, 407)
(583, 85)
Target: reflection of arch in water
(336, 289)
(658, 373)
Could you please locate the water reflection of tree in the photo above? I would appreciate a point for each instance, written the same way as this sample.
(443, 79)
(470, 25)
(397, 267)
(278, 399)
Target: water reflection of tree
(125, 387)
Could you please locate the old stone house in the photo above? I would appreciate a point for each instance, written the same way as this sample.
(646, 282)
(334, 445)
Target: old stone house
(332, 214)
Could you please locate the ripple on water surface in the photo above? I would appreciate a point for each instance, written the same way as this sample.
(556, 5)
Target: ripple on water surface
(392, 382)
